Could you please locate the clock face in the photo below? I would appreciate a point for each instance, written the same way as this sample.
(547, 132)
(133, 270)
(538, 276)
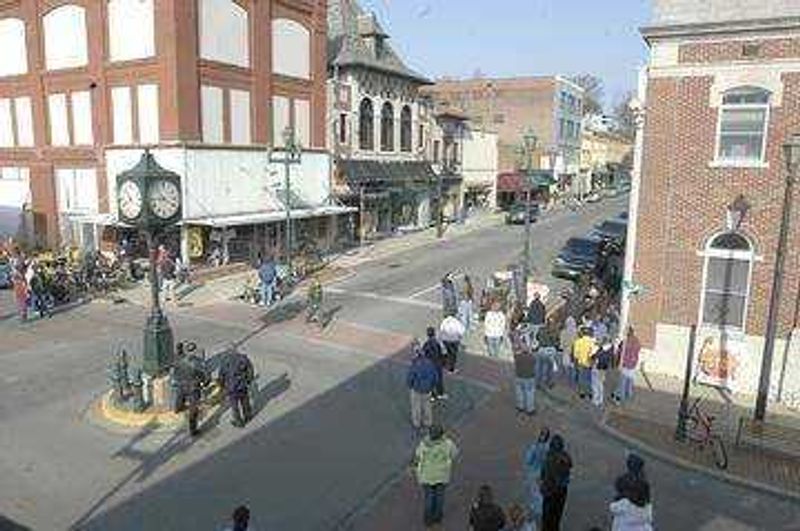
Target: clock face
(130, 200)
(165, 199)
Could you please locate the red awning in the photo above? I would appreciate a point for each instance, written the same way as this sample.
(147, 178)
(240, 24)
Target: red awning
(509, 182)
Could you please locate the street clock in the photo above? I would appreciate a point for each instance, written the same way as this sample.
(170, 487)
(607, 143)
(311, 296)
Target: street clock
(148, 195)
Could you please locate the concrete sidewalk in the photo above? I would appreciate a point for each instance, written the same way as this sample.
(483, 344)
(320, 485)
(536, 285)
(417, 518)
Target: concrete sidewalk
(398, 244)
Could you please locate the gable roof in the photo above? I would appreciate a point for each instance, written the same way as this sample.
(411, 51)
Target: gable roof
(346, 47)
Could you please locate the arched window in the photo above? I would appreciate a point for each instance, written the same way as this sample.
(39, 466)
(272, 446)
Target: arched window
(387, 127)
(12, 42)
(224, 32)
(65, 41)
(366, 125)
(726, 287)
(405, 129)
(291, 48)
(131, 29)
(743, 120)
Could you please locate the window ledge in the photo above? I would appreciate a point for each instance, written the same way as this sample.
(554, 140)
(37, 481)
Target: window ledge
(758, 165)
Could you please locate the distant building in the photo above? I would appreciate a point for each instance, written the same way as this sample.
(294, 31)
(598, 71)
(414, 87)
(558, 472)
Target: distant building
(550, 107)
(379, 126)
(466, 158)
(605, 159)
(720, 96)
(208, 85)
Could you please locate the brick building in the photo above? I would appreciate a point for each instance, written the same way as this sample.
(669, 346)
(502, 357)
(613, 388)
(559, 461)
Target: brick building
(209, 85)
(551, 107)
(721, 94)
(379, 124)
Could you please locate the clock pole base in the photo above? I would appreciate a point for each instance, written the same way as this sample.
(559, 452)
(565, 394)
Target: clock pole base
(159, 346)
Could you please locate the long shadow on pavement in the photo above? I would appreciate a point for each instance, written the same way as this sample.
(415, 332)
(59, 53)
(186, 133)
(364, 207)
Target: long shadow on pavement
(309, 469)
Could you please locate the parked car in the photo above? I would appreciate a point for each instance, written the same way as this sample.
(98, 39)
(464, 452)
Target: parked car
(612, 229)
(593, 197)
(516, 214)
(5, 275)
(577, 256)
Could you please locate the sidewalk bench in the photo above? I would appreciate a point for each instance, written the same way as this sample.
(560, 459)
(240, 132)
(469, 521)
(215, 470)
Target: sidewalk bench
(775, 437)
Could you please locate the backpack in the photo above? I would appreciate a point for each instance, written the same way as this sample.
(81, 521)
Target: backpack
(604, 359)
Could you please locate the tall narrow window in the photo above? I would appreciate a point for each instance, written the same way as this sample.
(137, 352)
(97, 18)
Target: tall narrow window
(405, 129)
(743, 119)
(65, 39)
(342, 128)
(366, 125)
(12, 42)
(729, 259)
(387, 127)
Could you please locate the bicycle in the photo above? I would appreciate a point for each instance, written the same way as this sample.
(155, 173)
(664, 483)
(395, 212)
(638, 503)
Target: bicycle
(700, 432)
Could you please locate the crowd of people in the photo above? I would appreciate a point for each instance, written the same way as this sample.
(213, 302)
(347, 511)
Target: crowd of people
(45, 281)
(547, 472)
(583, 343)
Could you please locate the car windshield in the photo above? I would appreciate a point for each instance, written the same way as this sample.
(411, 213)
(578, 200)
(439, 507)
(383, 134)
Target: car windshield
(611, 227)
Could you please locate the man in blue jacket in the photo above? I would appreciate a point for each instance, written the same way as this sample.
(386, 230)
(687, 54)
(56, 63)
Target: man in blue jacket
(421, 380)
(267, 276)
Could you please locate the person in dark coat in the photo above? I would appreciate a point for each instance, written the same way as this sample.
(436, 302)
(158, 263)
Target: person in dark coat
(485, 514)
(190, 377)
(432, 349)
(421, 379)
(537, 313)
(236, 374)
(554, 483)
(633, 484)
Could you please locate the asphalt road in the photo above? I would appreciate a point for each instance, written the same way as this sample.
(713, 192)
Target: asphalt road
(331, 434)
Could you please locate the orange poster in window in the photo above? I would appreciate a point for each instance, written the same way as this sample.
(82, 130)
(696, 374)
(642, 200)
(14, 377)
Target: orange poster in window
(718, 358)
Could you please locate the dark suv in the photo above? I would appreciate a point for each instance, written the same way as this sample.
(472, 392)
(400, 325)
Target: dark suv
(516, 214)
(577, 256)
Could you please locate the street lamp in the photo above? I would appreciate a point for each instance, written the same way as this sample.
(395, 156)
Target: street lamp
(737, 211)
(292, 153)
(791, 151)
(528, 145)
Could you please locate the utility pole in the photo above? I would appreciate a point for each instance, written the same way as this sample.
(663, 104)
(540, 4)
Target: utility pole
(792, 151)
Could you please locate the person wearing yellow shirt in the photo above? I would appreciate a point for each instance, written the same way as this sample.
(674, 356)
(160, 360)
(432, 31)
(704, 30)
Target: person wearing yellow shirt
(584, 349)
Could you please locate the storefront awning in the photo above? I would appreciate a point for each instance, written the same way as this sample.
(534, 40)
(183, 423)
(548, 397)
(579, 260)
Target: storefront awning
(257, 218)
(369, 171)
(520, 181)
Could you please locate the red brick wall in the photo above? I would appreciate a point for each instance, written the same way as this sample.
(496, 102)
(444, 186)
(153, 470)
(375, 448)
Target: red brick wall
(726, 51)
(683, 202)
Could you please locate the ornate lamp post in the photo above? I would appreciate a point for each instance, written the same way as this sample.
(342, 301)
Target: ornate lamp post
(791, 150)
(292, 154)
(528, 145)
(149, 198)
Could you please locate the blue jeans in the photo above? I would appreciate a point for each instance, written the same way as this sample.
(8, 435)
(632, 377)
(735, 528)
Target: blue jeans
(625, 387)
(544, 366)
(526, 392)
(434, 503)
(493, 346)
(267, 291)
(585, 380)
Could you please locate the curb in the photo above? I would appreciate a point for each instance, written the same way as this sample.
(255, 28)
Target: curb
(666, 457)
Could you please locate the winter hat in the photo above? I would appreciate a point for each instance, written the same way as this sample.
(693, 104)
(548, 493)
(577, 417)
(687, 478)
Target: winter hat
(635, 464)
